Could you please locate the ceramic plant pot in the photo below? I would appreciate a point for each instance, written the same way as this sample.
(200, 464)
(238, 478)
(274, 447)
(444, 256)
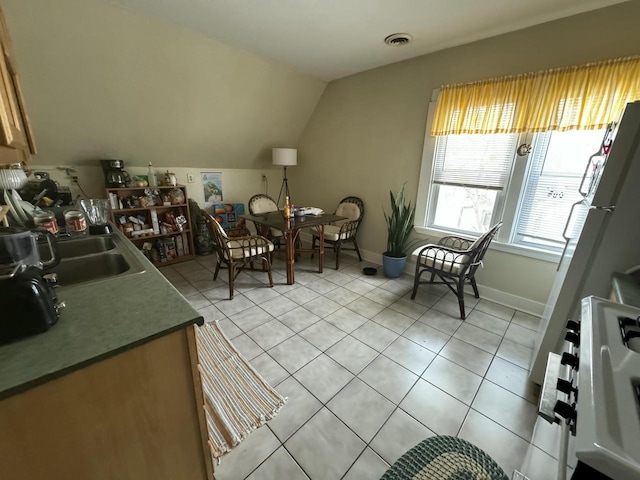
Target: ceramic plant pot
(393, 267)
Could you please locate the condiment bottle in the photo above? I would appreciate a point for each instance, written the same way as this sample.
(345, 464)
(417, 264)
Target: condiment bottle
(151, 177)
(287, 210)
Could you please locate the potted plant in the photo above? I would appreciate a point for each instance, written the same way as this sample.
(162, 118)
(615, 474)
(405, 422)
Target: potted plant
(399, 227)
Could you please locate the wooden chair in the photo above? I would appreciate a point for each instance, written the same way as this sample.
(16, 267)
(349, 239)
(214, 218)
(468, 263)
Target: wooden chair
(259, 204)
(454, 260)
(238, 252)
(343, 231)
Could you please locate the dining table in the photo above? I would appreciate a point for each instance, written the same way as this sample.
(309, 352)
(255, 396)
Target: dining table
(290, 227)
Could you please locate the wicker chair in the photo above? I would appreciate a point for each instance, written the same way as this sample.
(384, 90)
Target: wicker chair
(454, 260)
(238, 252)
(259, 204)
(343, 231)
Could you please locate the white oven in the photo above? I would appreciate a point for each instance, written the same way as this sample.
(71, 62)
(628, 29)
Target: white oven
(593, 390)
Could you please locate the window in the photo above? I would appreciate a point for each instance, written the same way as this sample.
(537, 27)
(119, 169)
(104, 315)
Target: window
(478, 180)
(555, 169)
(470, 175)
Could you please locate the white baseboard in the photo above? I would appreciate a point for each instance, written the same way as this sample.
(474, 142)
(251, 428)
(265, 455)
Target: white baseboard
(498, 296)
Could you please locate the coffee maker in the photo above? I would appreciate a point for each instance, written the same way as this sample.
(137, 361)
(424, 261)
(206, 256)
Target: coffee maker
(115, 176)
(29, 302)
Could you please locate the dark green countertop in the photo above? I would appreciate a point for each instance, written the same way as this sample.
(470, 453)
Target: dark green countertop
(100, 320)
(626, 289)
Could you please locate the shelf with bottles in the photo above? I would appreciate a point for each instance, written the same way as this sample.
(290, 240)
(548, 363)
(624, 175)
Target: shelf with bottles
(153, 216)
(154, 207)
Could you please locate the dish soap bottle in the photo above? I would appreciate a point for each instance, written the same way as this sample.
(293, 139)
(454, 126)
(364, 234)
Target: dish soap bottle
(151, 177)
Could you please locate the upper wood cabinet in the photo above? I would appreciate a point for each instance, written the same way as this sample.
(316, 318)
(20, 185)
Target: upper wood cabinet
(16, 138)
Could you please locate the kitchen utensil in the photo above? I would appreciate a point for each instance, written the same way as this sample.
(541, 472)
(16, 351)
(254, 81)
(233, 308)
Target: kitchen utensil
(97, 212)
(17, 203)
(18, 246)
(14, 212)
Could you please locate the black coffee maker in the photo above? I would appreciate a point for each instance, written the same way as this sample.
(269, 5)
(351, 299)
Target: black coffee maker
(27, 297)
(115, 176)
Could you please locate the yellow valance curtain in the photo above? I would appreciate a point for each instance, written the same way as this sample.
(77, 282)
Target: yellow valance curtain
(582, 97)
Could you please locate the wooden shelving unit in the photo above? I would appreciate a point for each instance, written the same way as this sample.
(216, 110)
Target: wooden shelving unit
(127, 193)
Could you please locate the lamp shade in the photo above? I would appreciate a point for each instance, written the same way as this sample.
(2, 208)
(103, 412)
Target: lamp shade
(285, 156)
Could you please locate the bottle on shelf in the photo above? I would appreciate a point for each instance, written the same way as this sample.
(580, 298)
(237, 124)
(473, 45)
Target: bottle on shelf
(153, 180)
(287, 210)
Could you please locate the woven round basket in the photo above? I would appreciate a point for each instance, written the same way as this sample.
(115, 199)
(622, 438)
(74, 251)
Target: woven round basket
(445, 458)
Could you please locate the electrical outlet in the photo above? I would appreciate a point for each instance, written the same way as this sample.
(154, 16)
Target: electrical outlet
(190, 178)
(264, 177)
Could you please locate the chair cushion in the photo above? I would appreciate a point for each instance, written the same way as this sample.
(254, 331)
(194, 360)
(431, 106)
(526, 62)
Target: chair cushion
(331, 233)
(349, 210)
(263, 205)
(440, 259)
(237, 252)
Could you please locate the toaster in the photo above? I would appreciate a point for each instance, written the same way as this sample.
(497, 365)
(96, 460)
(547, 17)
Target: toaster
(29, 304)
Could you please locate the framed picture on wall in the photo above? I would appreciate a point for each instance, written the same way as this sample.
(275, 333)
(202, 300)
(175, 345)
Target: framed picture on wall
(212, 188)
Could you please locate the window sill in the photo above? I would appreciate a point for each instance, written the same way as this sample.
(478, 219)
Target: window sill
(499, 246)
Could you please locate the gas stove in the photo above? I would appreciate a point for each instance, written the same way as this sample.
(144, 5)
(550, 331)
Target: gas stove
(593, 390)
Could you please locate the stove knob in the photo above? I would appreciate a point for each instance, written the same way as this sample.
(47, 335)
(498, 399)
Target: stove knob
(570, 360)
(566, 386)
(565, 410)
(573, 337)
(573, 325)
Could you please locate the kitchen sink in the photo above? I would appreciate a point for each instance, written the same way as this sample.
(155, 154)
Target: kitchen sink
(79, 247)
(90, 268)
(90, 259)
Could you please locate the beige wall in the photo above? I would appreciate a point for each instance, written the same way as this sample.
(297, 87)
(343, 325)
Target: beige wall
(366, 134)
(238, 184)
(102, 82)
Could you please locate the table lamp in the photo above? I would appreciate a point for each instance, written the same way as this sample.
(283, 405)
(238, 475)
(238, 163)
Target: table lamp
(285, 157)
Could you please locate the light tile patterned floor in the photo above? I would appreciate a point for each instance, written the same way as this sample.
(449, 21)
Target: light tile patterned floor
(369, 372)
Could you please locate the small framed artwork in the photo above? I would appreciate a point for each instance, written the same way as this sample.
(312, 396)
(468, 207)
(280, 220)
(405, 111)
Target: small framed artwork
(212, 188)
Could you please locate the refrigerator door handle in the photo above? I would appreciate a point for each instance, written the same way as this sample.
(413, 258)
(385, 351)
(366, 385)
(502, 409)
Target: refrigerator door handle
(564, 233)
(586, 172)
(610, 208)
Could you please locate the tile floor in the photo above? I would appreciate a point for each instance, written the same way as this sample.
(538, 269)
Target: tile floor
(369, 373)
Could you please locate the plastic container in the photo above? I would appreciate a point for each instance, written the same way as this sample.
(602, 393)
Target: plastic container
(75, 222)
(46, 220)
(151, 177)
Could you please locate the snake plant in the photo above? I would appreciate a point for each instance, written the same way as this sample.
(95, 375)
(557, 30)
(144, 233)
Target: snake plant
(399, 224)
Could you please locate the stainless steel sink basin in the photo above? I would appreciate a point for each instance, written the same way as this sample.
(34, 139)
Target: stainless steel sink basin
(90, 268)
(79, 247)
(92, 259)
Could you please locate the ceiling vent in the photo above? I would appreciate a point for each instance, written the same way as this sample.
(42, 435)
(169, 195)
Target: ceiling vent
(398, 39)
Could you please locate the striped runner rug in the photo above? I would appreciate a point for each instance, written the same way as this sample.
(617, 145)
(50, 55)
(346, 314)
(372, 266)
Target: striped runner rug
(237, 400)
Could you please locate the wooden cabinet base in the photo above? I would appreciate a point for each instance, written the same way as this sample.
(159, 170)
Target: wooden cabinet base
(132, 416)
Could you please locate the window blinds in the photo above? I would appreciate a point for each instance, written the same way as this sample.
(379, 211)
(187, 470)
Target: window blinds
(477, 161)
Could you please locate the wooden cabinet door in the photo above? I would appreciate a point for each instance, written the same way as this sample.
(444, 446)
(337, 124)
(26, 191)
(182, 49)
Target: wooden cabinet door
(15, 129)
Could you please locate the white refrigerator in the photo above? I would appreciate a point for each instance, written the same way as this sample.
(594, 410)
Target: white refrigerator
(603, 237)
